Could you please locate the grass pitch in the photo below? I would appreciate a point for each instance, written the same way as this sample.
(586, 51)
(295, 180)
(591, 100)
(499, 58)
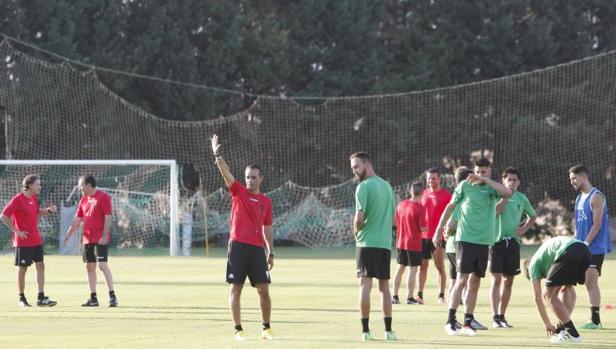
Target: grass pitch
(182, 303)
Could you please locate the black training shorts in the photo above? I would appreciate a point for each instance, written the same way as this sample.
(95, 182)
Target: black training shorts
(373, 262)
(245, 260)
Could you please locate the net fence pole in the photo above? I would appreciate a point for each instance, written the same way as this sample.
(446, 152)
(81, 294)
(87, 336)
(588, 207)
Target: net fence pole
(174, 248)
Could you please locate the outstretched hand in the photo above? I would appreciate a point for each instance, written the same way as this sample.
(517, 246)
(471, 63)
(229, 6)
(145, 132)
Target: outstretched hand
(215, 145)
(473, 179)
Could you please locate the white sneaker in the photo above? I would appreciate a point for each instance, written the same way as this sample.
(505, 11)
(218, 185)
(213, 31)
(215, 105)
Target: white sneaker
(565, 337)
(468, 331)
(452, 329)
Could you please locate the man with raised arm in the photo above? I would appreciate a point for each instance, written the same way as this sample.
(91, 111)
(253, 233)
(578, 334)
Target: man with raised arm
(250, 231)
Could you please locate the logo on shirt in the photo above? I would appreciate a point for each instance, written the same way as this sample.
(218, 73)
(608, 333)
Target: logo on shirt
(581, 215)
(31, 202)
(253, 199)
(231, 276)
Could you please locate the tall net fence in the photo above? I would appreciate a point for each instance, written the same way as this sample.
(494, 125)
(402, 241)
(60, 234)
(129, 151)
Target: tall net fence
(541, 122)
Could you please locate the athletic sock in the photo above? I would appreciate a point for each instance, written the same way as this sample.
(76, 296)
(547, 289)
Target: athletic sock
(502, 317)
(571, 329)
(238, 328)
(93, 296)
(387, 321)
(364, 324)
(594, 315)
(266, 325)
(468, 318)
(497, 317)
(22, 296)
(452, 316)
(559, 327)
(112, 294)
(420, 294)
(441, 295)
(41, 295)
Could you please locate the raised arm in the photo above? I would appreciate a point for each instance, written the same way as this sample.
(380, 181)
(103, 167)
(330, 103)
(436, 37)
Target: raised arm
(500, 188)
(220, 162)
(500, 206)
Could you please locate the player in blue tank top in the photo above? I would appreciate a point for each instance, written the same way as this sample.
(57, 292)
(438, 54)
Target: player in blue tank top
(591, 227)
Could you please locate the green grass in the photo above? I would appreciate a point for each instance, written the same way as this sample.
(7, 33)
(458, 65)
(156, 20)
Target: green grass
(182, 303)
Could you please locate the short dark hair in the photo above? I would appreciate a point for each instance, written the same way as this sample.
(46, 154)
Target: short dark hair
(434, 170)
(483, 162)
(461, 173)
(89, 179)
(255, 167)
(511, 170)
(28, 181)
(579, 169)
(416, 188)
(361, 155)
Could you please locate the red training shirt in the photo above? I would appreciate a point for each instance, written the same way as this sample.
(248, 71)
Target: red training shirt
(249, 213)
(25, 212)
(410, 218)
(434, 203)
(93, 209)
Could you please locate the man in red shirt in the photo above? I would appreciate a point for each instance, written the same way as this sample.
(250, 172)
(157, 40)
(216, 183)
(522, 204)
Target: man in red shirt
(94, 211)
(250, 232)
(435, 199)
(410, 223)
(21, 216)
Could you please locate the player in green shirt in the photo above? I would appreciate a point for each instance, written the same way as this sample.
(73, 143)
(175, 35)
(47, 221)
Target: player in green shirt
(477, 196)
(505, 253)
(562, 261)
(374, 218)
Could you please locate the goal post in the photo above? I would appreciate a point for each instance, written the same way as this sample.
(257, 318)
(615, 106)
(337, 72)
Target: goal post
(140, 181)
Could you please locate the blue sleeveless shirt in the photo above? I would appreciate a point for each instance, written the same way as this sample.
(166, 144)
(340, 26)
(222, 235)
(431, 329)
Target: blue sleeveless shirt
(602, 243)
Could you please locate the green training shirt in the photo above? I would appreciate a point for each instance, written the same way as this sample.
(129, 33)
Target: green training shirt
(545, 256)
(375, 198)
(477, 213)
(507, 223)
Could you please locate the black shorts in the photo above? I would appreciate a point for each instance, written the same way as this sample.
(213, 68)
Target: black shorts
(427, 247)
(453, 267)
(93, 253)
(409, 258)
(25, 255)
(570, 268)
(597, 262)
(472, 258)
(373, 262)
(505, 257)
(246, 260)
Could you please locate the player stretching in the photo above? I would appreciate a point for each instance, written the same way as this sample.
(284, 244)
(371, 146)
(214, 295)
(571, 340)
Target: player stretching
(374, 217)
(250, 231)
(563, 262)
(411, 222)
(591, 227)
(21, 215)
(94, 211)
(435, 199)
(477, 196)
(505, 253)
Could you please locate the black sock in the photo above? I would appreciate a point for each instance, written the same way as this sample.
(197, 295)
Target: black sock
(497, 317)
(396, 297)
(238, 328)
(452, 316)
(22, 296)
(594, 315)
(468, 318)
(41, 295)
(441, 295)
(266, 325)
(93, 296)
(571, 329)
(364, 324)
(559, 327)
(502, 317)
(420, 294)
(387, 321)
(112, 294)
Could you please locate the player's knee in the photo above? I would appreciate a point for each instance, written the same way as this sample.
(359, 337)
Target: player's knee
(508, 281)
(263, 290)
(90, 267)
(102, 266)
(497, 278)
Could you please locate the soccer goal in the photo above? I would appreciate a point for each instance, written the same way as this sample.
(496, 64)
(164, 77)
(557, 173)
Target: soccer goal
(145, 196)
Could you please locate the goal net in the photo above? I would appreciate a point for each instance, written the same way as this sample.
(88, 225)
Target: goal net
(541, 122)
(144, 196)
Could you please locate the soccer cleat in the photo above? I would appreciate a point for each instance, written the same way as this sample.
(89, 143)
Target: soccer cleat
(458, 325)
(46, 302)
(468, 331)
(420, 300)
(452, 329)
(411, 301)
(591, 326)
(24, 303)
(564, 337)
(395, 300)
(366, 336)
(113, 302)
(477, 326)
(390, 336)
(267, 334)
(505, 323)
(497, 324)
(441, 300)
(239, 336)
(90, 303)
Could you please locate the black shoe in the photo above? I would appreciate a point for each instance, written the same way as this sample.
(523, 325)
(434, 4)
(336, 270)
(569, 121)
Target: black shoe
(395, 300)
(90, 303)
(113, 302)
(411, 301)
(46, 302)
(24, 303)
